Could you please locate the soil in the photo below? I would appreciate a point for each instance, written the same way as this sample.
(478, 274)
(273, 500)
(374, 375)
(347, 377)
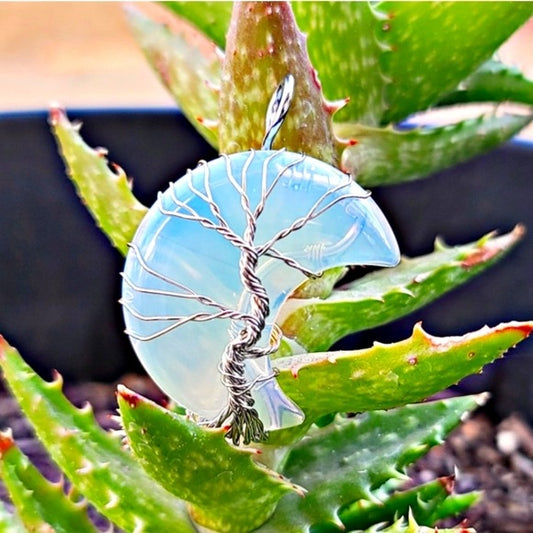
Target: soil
(495, 457)
(485, 454)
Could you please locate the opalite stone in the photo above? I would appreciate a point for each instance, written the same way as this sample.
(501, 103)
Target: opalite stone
(173, 258)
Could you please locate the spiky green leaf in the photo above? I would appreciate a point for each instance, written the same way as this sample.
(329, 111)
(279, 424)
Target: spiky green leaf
(409, 525)
(186, 63)
(361, 458)
(384, 156)
(389, 375)
(226, 488)
(385, 295)
(493, 82)
(94, 461)
(433, 46)
(455, 505)
(320, 287)
(344, 48)
(263, 46)
(212, 18)
(106, 194)
(428, 503)
(39, 503)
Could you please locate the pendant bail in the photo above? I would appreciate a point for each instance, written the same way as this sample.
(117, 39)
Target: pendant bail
(277, 110)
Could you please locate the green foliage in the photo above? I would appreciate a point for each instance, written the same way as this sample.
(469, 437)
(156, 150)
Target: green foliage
(387, 375)
(390, 59)
(187, 65)
(106, 194)
(350, 27)
(431, 47)
(384, 156)
(212, 18)
(94, 461)
(350, 460)
(254, 64)
(385, 295)
(425, 502)
(410, 526)
(38, 501)
(492, 82)
(185, 458)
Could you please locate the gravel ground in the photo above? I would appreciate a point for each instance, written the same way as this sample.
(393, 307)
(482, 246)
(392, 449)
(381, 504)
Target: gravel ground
(496, 457)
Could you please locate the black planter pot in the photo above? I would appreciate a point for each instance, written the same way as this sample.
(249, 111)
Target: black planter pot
(59, 280)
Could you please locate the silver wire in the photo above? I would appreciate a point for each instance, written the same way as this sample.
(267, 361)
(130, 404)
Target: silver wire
(239, 413)
(278, 109)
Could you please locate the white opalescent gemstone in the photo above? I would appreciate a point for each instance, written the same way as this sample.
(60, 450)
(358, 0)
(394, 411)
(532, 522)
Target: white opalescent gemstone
(173, 258)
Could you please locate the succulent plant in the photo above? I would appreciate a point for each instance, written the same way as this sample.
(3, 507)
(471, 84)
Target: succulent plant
(335, 471)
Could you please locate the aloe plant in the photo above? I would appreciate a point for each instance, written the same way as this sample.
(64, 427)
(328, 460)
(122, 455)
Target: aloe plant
(363, 69)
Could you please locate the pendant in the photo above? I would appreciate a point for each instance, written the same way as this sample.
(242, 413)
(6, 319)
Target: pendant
(215, 258)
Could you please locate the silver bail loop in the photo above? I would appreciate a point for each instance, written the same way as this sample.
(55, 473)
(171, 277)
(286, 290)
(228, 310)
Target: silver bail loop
(277, 110)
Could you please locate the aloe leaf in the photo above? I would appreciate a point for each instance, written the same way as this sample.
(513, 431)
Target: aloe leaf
(187, 64)
(263, 46)
(106, 193)
(424, 501)
(455, 505)
(361, 458)
(433, 46)
(322, 286)
(344, 48)
(227, 490)
(410, 526)
(40, 504)
(389, 375)
(384, 295)
(94, 461)
(492, 82)
(10, 522)
(385, 156)
(212, 18)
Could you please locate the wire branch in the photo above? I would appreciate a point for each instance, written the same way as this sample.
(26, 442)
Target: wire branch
(189, 293)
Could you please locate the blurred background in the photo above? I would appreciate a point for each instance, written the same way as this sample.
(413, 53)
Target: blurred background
(75, 53)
